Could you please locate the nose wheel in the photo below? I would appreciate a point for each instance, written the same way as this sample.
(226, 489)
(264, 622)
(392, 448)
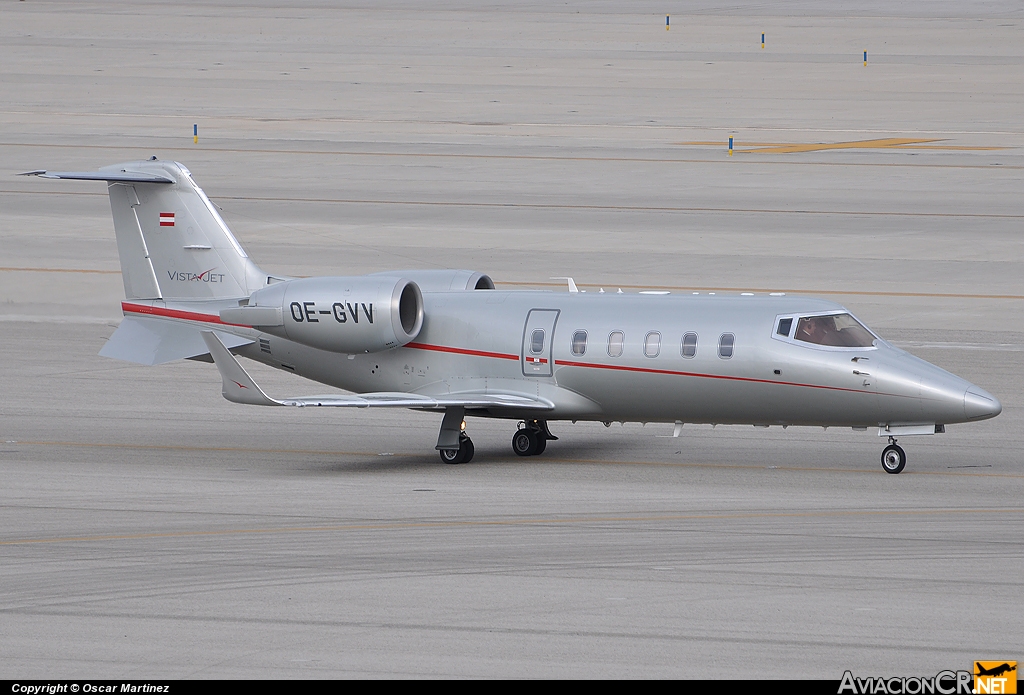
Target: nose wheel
(894, 459)
(453, 444)
(464, 454)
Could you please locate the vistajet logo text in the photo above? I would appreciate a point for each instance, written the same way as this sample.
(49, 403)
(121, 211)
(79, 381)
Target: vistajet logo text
(205, 276)
(942, 683)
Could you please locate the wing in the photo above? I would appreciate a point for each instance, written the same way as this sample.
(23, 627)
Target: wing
(239, 387)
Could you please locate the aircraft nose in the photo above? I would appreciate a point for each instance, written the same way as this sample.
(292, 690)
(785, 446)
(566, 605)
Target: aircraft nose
(979, 404)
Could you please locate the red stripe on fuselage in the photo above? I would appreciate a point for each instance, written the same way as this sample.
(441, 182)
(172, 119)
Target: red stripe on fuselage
(625, 368)
(461, 351)
(176, 314)
(669, 372)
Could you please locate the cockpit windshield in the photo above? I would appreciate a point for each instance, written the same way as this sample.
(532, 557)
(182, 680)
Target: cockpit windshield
(839, 330)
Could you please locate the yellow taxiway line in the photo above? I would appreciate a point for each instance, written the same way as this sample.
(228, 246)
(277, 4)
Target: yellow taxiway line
(880, 143)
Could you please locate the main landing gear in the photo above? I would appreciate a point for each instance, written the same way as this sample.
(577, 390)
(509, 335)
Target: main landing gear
(455, 446)
(531, 438)
(894, 459)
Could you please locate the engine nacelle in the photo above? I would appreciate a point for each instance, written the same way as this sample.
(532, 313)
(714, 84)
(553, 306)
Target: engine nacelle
(340, 314)
(444, 280)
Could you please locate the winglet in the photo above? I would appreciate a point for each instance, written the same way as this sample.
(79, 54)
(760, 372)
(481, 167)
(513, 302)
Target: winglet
(572, 285)
(238, 386)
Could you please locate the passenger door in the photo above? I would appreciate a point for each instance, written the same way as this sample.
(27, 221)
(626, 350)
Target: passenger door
(538, 339)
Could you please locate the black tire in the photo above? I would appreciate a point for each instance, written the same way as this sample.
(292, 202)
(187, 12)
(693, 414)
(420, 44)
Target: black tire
(451, 456)
(524, 442)
(542, 444)
(464, 454)
(894, 459)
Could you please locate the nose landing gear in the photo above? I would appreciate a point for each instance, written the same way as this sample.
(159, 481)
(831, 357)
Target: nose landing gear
(464, 454)
(453, 444)
(894, 459)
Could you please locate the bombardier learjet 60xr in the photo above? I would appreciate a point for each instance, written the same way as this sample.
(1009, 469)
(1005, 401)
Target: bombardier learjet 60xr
(447, 341)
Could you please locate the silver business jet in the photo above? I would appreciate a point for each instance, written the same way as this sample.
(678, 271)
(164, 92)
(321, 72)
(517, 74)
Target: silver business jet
(448, 341)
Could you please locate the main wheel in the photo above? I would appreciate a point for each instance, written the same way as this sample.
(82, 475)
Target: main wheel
(893, 459)
(524, 442)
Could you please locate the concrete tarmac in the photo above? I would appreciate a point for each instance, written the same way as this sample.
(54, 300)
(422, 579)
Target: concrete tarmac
(150, 529)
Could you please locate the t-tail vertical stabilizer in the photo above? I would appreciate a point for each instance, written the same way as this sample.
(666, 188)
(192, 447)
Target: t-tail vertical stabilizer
(172, 242)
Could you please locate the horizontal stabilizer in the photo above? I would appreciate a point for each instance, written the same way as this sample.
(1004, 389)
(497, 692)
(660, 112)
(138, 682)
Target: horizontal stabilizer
(239, 387)
(156, 341)
(121, 176)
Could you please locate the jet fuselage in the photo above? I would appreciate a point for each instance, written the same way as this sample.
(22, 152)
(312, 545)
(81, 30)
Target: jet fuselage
(621, 357)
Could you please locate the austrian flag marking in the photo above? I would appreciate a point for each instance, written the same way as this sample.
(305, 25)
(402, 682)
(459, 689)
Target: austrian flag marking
(166, 219)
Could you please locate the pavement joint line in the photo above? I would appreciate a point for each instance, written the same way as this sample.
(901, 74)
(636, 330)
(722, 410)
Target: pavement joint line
(876, 144)
(63, 608)
(570, 206)
(374, 121)
(552, 460)
(185, 447)
(386, 526)
(546, 157)
(626, 208)
(58, 270)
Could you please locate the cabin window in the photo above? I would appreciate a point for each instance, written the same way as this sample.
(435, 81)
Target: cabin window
(579, 343)
(725, 345)
(537, 342)
(652, 344)
(785, 325)
(839, 330)
(615, 344)
(689, 348)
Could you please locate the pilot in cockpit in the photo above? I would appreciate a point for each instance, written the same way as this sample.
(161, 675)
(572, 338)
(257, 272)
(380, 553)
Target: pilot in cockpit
(813, 330)
(837, 330)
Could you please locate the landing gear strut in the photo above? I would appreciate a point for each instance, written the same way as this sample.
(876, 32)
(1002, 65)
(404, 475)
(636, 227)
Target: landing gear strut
(453, 444)
(531, 438)
(893, 457)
